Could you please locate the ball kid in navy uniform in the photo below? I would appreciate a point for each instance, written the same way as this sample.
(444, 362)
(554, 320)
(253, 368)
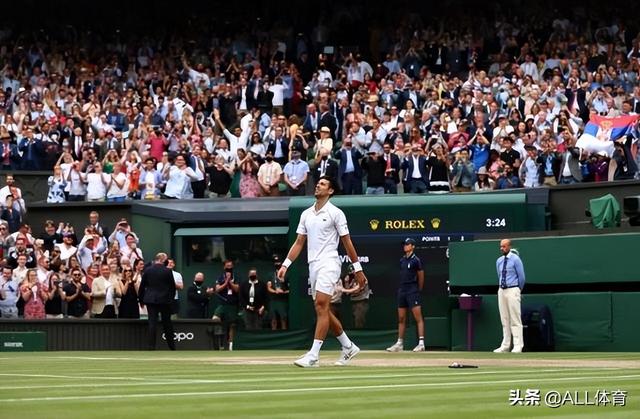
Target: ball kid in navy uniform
(409, 298)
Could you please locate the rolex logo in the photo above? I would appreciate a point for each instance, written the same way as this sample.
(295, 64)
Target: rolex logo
(435, 223)
(374, 224)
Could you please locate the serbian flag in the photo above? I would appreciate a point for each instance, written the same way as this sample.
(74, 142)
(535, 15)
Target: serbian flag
(610, 129)
(601, 131)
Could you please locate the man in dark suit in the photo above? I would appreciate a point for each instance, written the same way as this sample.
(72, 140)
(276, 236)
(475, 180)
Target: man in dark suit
(518, 101)
(157, 290)
(312, 120)
(349, 171)
(392, 170)
(254, 90)
(324, 166)
(577, 99)
(75, 144)
(410, 93)
(339, 111)
(327, 120)
(110, 143)
(279, 147)
(416, 171)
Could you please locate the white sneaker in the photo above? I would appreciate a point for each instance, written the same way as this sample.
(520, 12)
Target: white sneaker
(307, 361)
(517, 349)
(419, 348)
(396, 347)
(347, 355)
(501, 350)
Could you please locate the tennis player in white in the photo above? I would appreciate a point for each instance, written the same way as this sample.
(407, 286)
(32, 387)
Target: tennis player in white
(323, 225)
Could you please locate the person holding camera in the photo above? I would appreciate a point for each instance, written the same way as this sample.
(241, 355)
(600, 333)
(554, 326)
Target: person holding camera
(156, 143)
(374, 167)
(462, 172)
(120, 233)
(34, 294)
(53, 305)
(77, 188)
(416, 171)
(128, 307)
(248, 167)
(178, 177)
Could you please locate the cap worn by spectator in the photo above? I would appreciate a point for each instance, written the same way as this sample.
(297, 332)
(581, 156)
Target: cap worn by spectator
(409, 240)
(482, 171)
(325, 129)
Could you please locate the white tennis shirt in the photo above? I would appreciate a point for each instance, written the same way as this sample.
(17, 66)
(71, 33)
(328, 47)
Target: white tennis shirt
(323, 230)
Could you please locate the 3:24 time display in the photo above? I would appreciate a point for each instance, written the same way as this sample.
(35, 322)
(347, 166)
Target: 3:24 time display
(495, 222)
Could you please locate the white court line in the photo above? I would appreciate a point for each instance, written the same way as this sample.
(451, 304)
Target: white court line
(142, 381)
(294, 372)
(73, 377)
(300, 390)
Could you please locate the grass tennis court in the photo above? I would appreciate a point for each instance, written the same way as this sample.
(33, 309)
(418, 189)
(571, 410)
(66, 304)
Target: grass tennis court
(264, 384)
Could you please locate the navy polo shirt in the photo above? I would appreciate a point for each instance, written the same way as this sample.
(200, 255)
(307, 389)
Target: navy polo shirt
(227, 296)
(409, 267)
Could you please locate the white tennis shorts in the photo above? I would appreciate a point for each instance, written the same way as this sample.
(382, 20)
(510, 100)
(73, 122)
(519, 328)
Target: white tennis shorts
(324, 276)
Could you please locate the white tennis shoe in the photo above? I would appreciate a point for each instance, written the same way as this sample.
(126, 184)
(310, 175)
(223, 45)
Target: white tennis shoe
(419, 348)
(347, 355)
(307, 361)
(396, 347)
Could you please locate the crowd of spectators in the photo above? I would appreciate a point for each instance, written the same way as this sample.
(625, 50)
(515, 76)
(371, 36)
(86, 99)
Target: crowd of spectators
(427, 107)
(62, 272)
(57, 270)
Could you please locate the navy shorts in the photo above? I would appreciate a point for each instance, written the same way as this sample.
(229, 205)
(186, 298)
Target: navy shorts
(409, 298)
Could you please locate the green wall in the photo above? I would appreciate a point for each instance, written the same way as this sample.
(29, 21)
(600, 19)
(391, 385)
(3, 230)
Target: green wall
(551, 260)
(155, 235)
(598, 321)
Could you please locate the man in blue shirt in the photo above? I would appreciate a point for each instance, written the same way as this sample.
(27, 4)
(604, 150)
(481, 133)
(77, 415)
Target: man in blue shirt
(510, 281)
(411, 283)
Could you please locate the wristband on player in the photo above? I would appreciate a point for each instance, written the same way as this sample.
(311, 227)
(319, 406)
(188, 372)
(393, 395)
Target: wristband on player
(287, 262)
(357, 267)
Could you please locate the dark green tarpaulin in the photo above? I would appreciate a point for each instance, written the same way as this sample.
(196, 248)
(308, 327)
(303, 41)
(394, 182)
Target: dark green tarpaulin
(604, 212)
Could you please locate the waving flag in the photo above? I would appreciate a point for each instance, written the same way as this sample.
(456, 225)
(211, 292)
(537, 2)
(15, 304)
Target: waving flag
(601, 131)
(610, 129)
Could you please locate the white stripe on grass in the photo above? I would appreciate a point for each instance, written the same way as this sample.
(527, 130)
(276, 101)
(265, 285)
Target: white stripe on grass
(153, 381)
(294, 374)
(303, 390)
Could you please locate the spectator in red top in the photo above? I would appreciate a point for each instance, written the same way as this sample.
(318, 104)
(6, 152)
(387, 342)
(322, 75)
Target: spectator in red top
(157, 143)
(458, 140)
